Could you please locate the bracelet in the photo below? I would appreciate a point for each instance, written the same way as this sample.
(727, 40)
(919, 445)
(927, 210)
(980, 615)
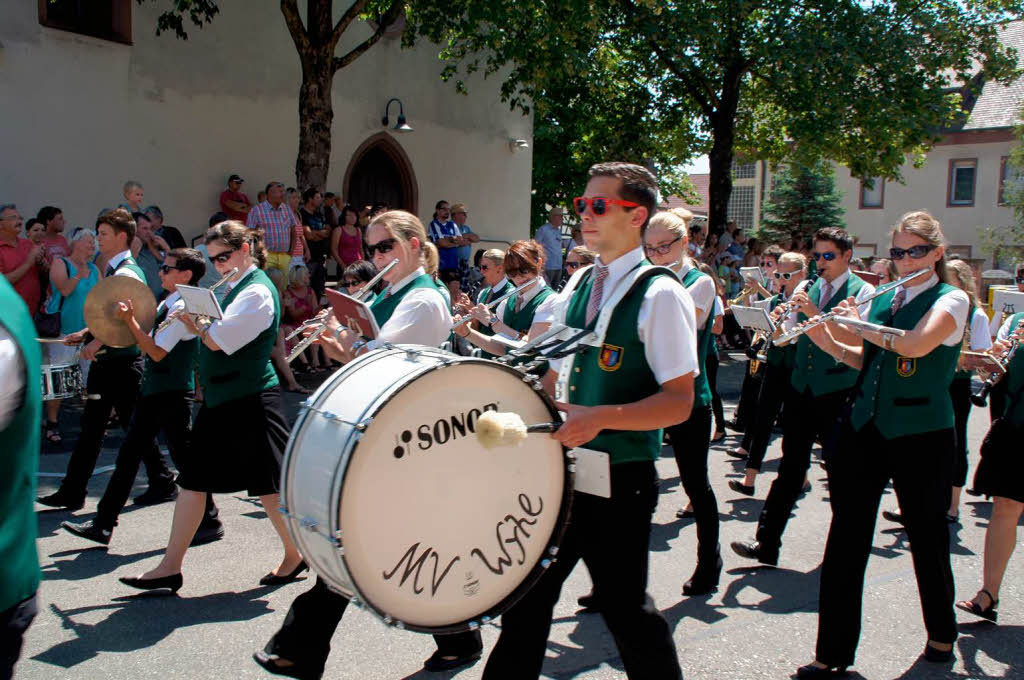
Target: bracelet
(337, 333)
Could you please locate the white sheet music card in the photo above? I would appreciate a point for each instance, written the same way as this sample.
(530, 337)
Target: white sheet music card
(754, 318)
(593, 472)
(200, 301)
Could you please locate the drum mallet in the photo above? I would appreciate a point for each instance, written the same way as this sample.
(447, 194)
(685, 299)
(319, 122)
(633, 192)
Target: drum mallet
(495, 429)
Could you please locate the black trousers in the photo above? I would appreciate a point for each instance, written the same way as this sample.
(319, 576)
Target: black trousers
(711, 366)
(305, 636)
(758, 434)
(997, 400)
(168, 412)
(14, 621)
(807, 418)
(747, 406)
(919, 467)
(116, 384)
(610, 535)
(960, 391)
(690, 442)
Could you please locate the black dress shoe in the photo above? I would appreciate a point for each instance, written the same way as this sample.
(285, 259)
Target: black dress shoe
(735, 426)
(273, 579)
(276, 665)
(439, 662)
(736, 453)
(172, 582)
(892, 516)
(208, 534)
(704, 580)
(683, 513)
(590, 602)
(61, 501)
(812, 671)
(740, 487)
(937, 655)
(719, 436)
(753, 550)
(89, 530)
(156, 496)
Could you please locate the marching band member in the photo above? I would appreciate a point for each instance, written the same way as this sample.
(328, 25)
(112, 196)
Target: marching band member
(240, 433)
(113, 381)
(619, 396)
(665, 244)
(411, 310)
(819, 387)
(788, 278)
(496, 284)
(999, 475)
(165, 400)
(524, 262)
(900, 428)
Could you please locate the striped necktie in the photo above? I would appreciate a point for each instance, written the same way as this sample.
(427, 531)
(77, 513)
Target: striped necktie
(826, 294)
(596, 293)
(897, 302)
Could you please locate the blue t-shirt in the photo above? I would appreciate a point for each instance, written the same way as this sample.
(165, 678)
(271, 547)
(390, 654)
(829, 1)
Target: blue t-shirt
(449, 257)
(466, 251)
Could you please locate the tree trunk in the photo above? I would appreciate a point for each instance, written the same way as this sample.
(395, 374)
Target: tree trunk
(316, 113)
(723, 133)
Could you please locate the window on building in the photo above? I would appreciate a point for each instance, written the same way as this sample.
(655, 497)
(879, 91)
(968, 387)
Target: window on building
(872, 193)
(107, 19)
(962, 176)
(744, 170)
(741, 207)
(1007, 179)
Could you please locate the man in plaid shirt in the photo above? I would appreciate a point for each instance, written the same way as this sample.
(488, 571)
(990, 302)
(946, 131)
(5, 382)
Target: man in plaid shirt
(276, 220)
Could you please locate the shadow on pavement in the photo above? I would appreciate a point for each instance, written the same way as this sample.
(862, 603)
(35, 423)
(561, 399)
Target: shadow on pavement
(90, 561)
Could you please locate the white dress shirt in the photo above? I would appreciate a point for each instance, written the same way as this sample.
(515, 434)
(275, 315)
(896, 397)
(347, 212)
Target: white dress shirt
(248, 315)
(421, 318)
(980, 339)
(1005, 330)
(498, 286)
(702, 291)
(955, 303)
(12, 378)
(866, 291)
(719, 307)
(526, 296)
(175, 332)
(116, 260)
(666, 323)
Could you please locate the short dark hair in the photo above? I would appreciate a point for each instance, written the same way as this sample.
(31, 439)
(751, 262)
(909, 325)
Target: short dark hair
(840, 237)
(190, 260)
(638, 183)
(437, 206)
(275, 183)
(329, 194)
(47, 213)
(217, 218)
(140, 216)
(348, 208)
(774, 251)
(33, 221)
(695, 228)
(309, 193)
(364, 271)
(121, 221)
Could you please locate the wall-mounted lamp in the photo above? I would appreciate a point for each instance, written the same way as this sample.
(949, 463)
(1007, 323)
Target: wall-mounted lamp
(515, 145)
(400, 124)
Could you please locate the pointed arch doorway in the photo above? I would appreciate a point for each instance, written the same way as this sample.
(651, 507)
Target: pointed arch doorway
(380, 172)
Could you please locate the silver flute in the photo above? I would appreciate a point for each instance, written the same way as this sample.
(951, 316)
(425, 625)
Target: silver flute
(318, 323)
(494, 305)
(834, 315)
(174, 316)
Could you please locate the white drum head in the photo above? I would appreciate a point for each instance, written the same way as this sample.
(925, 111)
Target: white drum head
(438, 531)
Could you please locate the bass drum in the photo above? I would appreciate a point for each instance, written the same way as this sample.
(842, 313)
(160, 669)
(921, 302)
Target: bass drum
(394, 503)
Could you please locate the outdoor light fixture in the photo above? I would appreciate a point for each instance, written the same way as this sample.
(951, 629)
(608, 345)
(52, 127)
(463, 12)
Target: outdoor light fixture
(518, 145)
(400, 124)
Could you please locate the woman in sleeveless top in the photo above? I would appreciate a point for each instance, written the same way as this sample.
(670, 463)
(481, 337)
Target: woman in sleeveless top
(900, 427)
(347, 239)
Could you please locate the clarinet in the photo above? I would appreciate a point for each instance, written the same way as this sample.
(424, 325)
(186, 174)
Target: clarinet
(981, 398)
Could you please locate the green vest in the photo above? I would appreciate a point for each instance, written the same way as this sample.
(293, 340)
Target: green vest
(780, 356)
(19, 461)
(225, 377)
(385, 305)
(1014, 411)
(615, 373)
(966, 375)
(814, 368)
(903, 395)
(522, 320)
(176, 372)
(131, 265)
(705, 338)
(486, 296)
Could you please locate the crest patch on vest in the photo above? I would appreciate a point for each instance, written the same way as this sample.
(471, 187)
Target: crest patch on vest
(610, 358)
(906, 366)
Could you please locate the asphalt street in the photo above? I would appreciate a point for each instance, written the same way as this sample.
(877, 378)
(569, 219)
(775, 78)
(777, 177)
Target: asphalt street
(760, 624)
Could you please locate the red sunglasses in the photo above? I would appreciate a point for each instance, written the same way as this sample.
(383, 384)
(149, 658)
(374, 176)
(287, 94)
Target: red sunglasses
(599, 205)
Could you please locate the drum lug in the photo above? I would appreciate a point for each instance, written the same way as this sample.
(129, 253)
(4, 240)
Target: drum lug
(309, 524)
(284, 511)
(545, 563)
(553, 550)
(571, 467)
(473, 625)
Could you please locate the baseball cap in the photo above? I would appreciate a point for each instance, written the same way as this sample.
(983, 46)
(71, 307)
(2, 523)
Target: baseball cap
(235, 178)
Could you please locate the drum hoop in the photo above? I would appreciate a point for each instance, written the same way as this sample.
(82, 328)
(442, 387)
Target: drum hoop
(550, 551)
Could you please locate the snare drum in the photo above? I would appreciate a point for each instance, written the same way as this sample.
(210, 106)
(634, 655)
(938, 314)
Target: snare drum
(62, 381)
(391, 499)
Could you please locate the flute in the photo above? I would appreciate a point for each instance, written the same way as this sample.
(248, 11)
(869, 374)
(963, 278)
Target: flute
(319, 322)
(494, 305)
(174, 316)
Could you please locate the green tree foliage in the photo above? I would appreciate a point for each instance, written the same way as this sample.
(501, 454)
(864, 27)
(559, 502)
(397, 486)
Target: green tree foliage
(804, 200)
(863, 83)
(1005, 243)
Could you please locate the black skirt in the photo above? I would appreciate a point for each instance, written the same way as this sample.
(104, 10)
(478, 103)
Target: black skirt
(238, 445)
(1002, 464)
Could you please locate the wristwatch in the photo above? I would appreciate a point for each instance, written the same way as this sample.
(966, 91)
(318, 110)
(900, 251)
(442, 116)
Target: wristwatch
(494, 319)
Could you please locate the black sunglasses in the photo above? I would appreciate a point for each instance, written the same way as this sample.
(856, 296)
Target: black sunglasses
(167, 267)
(221, 258)
(915, 252)
(383, 246)
(663, 248)
(573, 265)
(828, 257)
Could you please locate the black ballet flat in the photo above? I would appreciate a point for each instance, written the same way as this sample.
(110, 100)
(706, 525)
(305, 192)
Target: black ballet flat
(273, 579)
(272, 664)
(736, 453)
(812, 671)
(172, 582)
(989, 613)
(685, 514)
(740, 487)
(937, 655)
